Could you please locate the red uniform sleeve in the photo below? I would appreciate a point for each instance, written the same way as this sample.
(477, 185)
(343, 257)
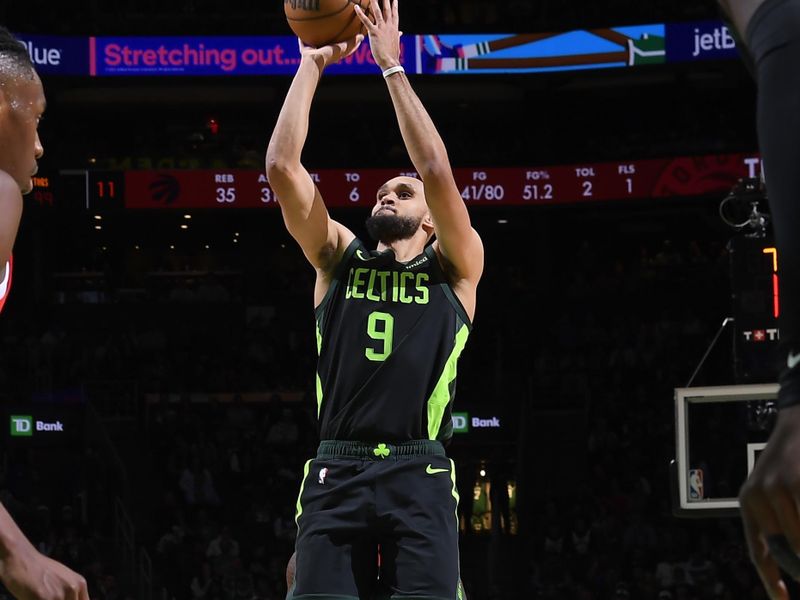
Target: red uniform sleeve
(5, 283)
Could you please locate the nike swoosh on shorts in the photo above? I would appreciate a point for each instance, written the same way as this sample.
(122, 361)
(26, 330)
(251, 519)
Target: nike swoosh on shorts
(431, 471)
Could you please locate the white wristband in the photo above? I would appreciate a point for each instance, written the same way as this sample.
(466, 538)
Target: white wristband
(392, 70)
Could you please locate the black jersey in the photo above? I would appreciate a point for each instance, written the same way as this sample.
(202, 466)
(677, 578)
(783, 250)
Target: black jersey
(389, 336)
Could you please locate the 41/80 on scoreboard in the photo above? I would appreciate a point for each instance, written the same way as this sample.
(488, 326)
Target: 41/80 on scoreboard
(541, 186)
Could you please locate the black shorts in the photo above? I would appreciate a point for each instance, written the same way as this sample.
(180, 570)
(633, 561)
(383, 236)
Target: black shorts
(357, 500)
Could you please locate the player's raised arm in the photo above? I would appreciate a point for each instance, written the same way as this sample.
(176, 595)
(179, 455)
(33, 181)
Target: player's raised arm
(458, 242)
(304, 212)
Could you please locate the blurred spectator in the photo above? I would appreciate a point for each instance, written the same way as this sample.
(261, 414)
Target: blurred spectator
(197, 485)
(223, 545)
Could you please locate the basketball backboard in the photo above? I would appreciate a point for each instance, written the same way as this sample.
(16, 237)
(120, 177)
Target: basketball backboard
(719, 433)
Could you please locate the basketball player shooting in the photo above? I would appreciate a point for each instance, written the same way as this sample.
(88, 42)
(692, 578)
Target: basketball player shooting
(770, 499)
(26, 573)
(391, 324)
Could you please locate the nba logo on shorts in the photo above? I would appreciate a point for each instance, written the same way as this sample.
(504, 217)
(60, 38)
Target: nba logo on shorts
(323, 473)
(696, 484)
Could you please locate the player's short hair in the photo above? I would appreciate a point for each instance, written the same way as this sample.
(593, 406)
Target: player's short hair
(13, 54)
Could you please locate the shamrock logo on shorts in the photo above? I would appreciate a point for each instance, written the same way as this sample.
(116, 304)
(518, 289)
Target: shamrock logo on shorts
(382, 451)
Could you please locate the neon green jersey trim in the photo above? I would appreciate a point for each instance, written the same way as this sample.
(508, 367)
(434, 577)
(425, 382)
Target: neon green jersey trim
(299, 510)
(440, 397)
(319, 381)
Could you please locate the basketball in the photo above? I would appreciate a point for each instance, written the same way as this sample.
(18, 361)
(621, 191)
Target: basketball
(322, 22)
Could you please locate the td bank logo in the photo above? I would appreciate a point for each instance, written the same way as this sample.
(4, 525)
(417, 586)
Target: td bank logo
(460, 422)
(21, 426)
(24, 425)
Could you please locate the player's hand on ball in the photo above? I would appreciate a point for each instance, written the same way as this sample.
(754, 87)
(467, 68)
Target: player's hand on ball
(770, 504)
(331, 54)
(383, 25)
(29, 575)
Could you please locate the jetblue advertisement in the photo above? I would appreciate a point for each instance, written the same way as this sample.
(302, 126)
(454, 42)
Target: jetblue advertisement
(57, 55)
(706, 40)
(449, 54)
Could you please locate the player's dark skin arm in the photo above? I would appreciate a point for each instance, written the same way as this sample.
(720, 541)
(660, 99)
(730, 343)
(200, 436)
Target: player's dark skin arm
(322, 239)
(28, 574)
(770, 497)
(10, 214)
(458, 244)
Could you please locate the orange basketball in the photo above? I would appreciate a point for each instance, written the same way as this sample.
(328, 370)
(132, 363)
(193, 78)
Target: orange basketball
(322, 22)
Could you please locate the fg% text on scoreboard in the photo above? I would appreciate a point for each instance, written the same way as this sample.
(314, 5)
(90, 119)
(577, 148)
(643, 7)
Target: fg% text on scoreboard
(552, 185)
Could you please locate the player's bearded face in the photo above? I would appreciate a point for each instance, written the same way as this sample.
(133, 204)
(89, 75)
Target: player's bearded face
(388, 227)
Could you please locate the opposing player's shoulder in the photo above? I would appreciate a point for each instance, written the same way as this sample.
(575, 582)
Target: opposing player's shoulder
(10, 199)
(10, 202)
(7, 185)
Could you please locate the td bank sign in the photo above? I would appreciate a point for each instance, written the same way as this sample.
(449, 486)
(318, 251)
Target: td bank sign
(462, 422)
(25, 425)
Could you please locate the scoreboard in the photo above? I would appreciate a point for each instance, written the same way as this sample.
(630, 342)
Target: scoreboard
(518, 186)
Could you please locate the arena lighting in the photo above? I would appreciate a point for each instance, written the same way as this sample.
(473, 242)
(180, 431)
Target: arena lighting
(236, 234)
(483, 472)
(136, 247)
(502, 221)
(207, 246)
(172, 247)
(187, 216)
(98, 227)
(184, 227)
(98, 217)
